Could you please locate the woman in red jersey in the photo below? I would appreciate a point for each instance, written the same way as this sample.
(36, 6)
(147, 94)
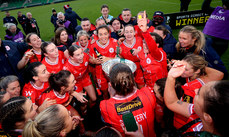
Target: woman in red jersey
(61, 89)
(152, 69)
(36, 78)
(106, 49)
(61, 86)
(33, 54)
(209, 106)
(53, 58)
(154, 43)
(78, 64)
(130, 48)
(127, 98)
(196, 75)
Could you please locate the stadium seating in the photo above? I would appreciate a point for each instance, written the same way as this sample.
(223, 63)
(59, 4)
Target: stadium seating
(12, 4)
(16, 4)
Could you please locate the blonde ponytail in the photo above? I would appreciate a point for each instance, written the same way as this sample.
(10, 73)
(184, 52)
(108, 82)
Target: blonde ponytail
(31, 129)
(195, 34)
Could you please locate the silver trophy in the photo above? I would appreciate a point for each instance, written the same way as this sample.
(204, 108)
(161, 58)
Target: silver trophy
(106, 66)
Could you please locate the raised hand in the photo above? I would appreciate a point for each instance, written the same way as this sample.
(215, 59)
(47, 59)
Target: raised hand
(47, 102)
(76, 120)
(80, 97)
(142, 22)
(29, 54)
(177, 69)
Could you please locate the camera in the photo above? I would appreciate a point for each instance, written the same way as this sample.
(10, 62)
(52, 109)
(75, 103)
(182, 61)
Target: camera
(61, 22)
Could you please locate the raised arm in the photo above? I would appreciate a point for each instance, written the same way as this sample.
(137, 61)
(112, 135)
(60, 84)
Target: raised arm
(212, 75)
(25, 59)
(152, 45)
(170, 96)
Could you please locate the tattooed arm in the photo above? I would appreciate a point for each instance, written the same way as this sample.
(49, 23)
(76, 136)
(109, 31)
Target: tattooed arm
(170, 96)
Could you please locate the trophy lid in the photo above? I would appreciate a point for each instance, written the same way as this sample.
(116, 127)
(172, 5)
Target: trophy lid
(106, 66)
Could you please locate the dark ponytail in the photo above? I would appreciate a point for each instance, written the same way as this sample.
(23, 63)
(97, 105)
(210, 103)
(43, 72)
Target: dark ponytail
(58, 80)
(122, 79)
(11, 112)
(31, 71)
(43, 49)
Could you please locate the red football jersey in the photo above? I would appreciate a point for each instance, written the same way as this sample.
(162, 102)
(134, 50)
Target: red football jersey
(80, 72)
(57, 65)
(126, 53)
(60, 99)
(189, 94)
(31, 91)
(108, 50)
(36, 57)
(141, 103)
(126, 49)
(138, 30)
(157, 53)
(152, 70)
(197, 126)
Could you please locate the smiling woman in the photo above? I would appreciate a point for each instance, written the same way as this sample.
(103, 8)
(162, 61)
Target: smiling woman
(196, 74)
(62, 38)
(78, 66)
(130, 47)
(36, 77)
(53, 121)
(11, 85)
(106, 46)
(33, 54)
(208, 111)
(52, 58)
(193, 41)
(15, 113)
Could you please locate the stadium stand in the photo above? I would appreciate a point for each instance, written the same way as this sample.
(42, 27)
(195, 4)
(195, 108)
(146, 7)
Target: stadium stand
(11, 4)
(17, 4)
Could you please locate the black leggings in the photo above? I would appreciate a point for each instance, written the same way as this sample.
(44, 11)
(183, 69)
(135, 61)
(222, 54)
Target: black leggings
(184, 5)
(220, 45)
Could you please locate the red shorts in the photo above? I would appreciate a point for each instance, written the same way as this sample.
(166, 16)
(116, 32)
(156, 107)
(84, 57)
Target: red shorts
(83, 82)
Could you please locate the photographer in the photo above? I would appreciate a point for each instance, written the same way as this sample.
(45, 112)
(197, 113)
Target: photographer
(62, 22)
